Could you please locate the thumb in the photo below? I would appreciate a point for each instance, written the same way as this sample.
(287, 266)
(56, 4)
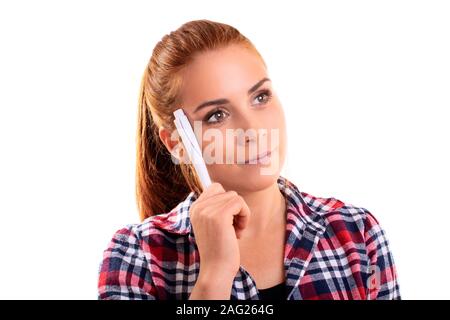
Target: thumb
(242, 219)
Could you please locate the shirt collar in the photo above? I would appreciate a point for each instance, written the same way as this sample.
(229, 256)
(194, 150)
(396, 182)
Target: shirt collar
(300, 210)
(305, 224)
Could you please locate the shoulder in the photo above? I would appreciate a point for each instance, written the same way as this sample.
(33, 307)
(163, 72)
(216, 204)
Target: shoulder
(133, 253)
(354, 234)
(160, 230)
(343, 219)
(149, 231)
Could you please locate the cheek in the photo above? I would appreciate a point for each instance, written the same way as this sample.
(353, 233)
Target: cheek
(276, 125)
(214, 146)
(279, 140)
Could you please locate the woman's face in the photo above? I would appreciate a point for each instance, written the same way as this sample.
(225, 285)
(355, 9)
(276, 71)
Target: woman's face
(244, 120)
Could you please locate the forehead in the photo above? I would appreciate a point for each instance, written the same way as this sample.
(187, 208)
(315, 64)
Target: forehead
(221, 73)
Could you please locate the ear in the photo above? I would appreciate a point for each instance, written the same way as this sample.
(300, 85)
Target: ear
(172, 141)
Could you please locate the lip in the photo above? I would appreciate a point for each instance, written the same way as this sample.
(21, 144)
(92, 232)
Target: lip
(259, 157)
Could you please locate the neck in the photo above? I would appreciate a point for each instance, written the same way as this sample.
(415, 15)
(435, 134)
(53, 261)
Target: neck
(267, 209)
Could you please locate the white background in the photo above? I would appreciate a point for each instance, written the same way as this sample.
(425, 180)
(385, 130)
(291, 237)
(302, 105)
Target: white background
(365, 86)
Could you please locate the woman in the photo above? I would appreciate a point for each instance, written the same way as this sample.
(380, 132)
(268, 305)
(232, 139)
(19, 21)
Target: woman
(251, 234)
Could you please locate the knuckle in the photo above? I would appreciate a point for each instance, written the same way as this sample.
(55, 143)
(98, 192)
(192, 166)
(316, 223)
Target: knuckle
(233, 193)
(214, 185)
(196, 208)
(217, 186)
(233, 202)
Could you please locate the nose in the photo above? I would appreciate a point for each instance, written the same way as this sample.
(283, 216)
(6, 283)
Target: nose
(251, 130)
(251, 135)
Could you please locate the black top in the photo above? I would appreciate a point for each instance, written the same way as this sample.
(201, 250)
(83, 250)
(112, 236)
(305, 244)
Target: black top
(277, 292)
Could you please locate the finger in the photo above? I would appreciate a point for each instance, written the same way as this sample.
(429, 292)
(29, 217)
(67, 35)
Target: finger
(243, 217)
(241, 213)
(217, 203)
(213, 189)
(223, 197)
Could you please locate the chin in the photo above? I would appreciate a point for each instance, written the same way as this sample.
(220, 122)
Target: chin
(246, 179)
(251, 182)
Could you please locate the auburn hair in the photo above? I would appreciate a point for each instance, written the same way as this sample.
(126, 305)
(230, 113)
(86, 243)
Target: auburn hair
(160, 183)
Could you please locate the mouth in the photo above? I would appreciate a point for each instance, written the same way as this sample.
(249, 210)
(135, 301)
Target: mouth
(261, 158)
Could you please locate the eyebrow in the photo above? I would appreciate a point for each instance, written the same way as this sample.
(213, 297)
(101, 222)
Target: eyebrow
(223, 101)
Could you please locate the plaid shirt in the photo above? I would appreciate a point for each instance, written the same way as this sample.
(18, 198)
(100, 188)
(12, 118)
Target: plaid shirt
(333, 251)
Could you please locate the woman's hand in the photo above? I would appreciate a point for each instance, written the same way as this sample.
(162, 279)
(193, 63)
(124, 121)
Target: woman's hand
(218, 218)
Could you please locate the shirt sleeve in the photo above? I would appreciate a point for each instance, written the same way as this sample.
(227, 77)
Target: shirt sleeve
(124, 272)
(382, 282)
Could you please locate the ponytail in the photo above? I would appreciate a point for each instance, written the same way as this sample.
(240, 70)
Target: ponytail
(160, 183)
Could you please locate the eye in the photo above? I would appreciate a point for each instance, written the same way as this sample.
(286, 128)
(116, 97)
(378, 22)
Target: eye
(263, 97)
(216, 116)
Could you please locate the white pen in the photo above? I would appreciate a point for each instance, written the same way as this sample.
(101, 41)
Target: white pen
(192, 147)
